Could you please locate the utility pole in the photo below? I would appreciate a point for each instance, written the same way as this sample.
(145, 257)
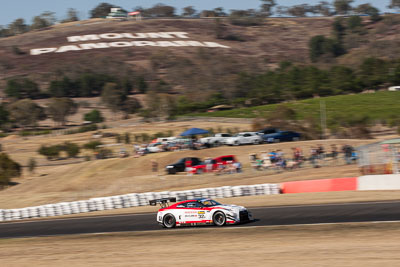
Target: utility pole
(322, 113)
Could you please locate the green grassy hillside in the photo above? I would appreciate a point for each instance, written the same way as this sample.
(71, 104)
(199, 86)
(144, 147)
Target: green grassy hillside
(377, 106)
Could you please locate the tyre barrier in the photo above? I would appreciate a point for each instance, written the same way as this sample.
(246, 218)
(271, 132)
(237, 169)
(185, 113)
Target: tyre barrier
(134, 200)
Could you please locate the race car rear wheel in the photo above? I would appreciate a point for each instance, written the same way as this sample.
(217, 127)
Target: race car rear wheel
(219, 218)
(169, 221)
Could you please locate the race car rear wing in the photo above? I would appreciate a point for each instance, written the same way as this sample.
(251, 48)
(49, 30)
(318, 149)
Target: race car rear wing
(162, 201)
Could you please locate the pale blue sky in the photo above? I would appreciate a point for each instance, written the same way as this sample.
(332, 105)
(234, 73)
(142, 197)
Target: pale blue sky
(27, 9)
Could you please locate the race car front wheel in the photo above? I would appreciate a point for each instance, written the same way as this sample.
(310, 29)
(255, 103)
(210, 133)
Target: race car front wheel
(219, 218)
(169, 221)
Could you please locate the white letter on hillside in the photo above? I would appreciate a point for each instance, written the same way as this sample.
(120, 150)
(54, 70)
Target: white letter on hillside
(188, 43)
(159, 35)
(39, 51)
(166, 43)
(138, 35)
(212, 44)
(67, 48)
(179, 34)
(111, 36)
(143, 43)
(120, 44)
(89, 37)
(94, 45)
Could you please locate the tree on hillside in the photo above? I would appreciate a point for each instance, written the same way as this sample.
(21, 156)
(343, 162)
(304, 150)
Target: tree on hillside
(4, 116)
(322, 46)
(94, 116)
(299, 10)
(72, 15)
(266, 7)
(282, 10)
(354, 22)
(131, 106)
(370, 10)
(219, 12)
(207, 14)
(60, 108)
(64, 88)
(141, 84)
(18, 26)
(342, 7)
(22, 88)
(101, 10)
(338, 29)
(4, 31)
(113, 97)
(25, 112)
(44, 20)
(373, 72)
(161, 10)
(188, 11)
(394, 4)
(324, 8)
(8, 169)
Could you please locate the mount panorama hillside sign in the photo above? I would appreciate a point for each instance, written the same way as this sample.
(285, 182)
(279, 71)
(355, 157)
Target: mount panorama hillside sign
(117, 44)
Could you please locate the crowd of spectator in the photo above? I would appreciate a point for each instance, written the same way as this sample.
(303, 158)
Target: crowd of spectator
(317, 157)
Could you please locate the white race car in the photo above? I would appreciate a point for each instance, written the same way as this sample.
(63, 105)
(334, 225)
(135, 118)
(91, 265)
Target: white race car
(199, 211)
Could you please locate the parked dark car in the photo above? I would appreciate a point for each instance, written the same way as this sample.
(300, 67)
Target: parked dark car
(268, 130)
(180, 166)
(281, 136)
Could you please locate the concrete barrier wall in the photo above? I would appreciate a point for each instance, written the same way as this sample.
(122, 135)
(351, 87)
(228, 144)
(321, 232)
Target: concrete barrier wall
(134, 200)
(323, 185)
(379, 182)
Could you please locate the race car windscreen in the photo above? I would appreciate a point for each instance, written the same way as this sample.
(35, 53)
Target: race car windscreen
(210, 203)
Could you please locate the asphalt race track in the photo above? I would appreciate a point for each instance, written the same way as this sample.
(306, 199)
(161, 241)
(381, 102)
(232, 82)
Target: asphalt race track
(284, 215)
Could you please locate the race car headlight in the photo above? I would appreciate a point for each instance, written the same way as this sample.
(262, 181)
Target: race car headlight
(169, 167)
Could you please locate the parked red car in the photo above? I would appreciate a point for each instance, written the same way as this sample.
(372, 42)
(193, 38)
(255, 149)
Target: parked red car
(215, 164)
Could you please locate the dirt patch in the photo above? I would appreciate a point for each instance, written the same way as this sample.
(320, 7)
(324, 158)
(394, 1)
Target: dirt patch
(358, 244)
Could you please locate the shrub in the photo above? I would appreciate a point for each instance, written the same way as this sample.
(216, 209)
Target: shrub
(127, 138)
(8, 169)
(71, 149)
(83, 129)
(94, 116)
(31, 133)
(246, 22)
(32, 165)
(118, 138)
(50, 152)
(92, 145)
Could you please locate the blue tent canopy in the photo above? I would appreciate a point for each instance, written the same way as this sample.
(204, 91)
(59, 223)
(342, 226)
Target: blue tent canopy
(194, 131)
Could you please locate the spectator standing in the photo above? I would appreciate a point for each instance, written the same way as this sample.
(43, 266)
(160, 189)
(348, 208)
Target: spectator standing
(209, 165)
(188, 166)
(238, 166)
(348, 153)
(321, 153)
(272, 156)
(154, 166)
(314, 157)
(334, 154)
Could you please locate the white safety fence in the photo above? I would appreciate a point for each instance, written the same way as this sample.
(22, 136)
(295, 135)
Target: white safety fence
(134, 200)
